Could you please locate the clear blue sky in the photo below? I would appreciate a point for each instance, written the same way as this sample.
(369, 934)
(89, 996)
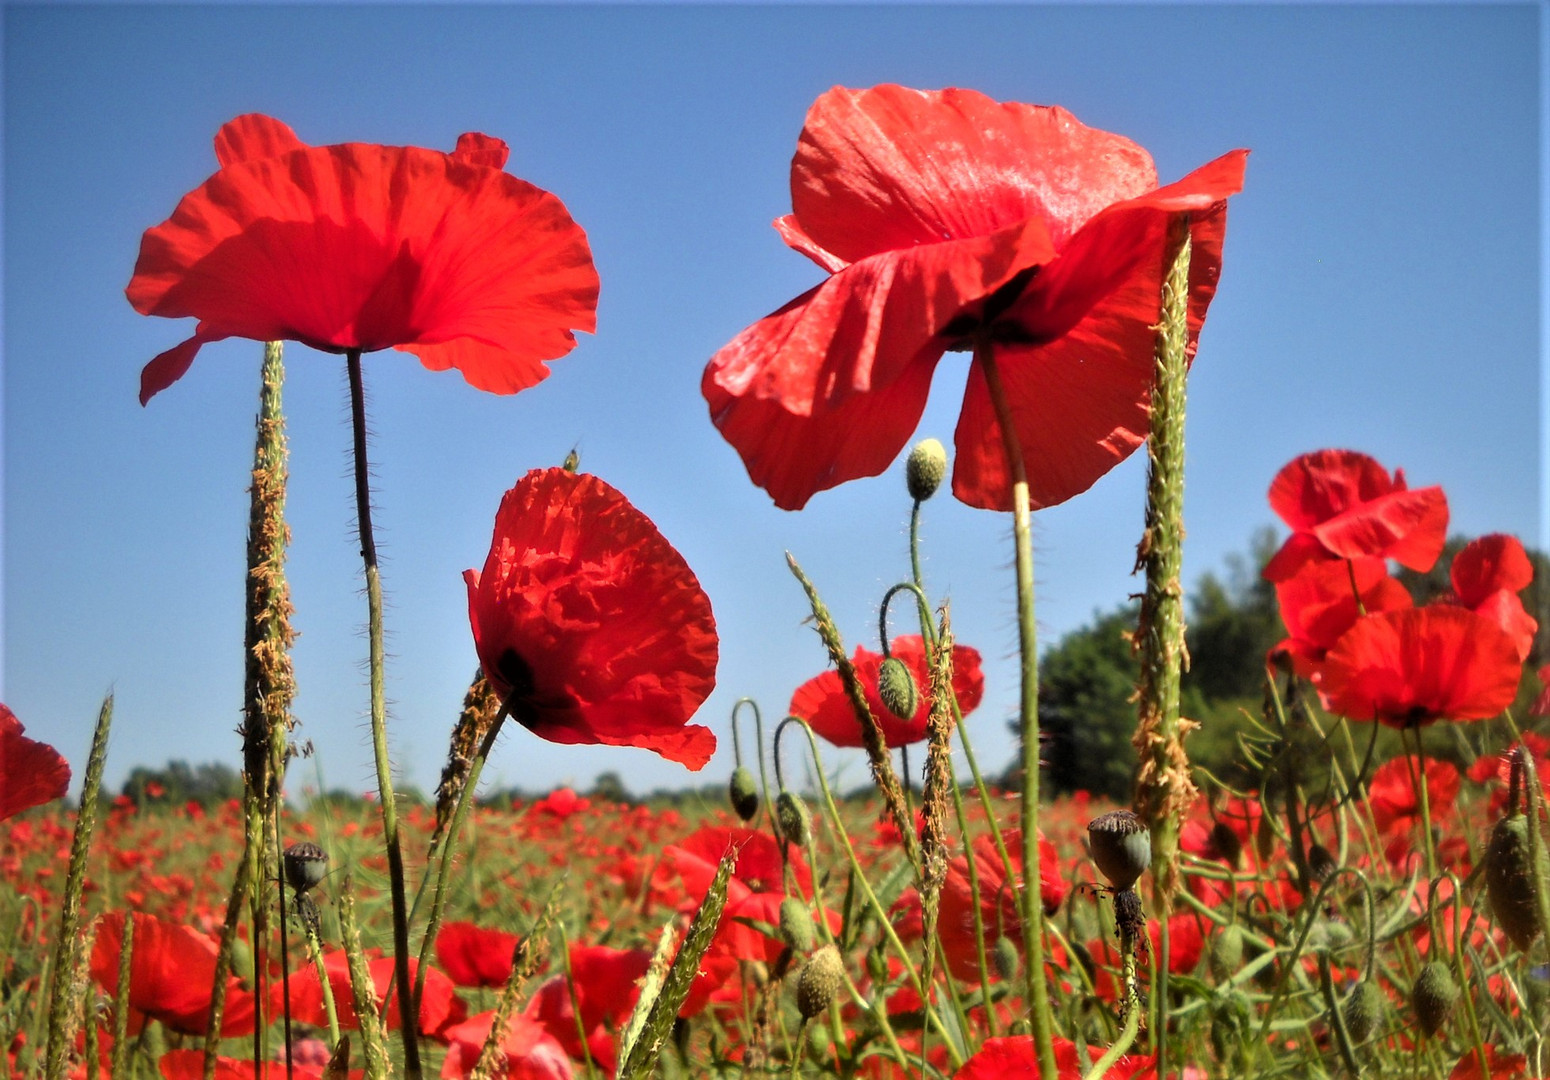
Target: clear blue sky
(1379, 291)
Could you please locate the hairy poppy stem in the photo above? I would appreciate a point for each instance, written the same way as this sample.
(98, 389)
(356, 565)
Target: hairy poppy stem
(410, 1026)
(1028, 713)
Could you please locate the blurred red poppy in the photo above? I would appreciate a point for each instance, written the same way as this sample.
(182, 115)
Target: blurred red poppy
(943, 218)
(190, 1065)
(1396, 805)
(475, 955)
(1344, 505)
(364, 247)
(606, 983)
(1499, 1066)
(823, 703)
(1014, 1056)
(171, 974)
(531, 1052)
(440, 1007)
(1318, 605)
(31, 773)
(1406, 668)
(589, 625)
(1487, 576)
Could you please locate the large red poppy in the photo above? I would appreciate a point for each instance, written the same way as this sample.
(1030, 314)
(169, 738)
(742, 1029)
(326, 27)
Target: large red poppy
(31, 773)
(823, 703)
(475, 955)
(1406, 668)
(589, 625)
(1487, 576)
(1318, 605)
(943, 217)
(531, 1053)
(440, 1007)
(1342, 504)
(171, 973)
(369, 247)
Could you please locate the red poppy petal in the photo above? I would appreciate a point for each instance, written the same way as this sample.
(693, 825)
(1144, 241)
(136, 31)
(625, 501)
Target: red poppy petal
(253, 136)
(1081, 402)
(583, 602)
(474, 148)
(170, 366)
(1412, 667)
(31, 772)
(172, 972)
(1319, 604)
(1506, 610)
(1407, 526)
(1489, 563)
(1294, 557)
(892, 168)
(822, 702)
(475, 955)
(1315, 487)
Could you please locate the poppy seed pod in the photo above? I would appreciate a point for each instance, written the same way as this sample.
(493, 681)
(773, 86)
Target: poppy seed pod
(1121, 846)
(796, 925)
(1509, 880)
(305, 865)
(744, 793)
(796, 824)
(1434, 996)
(819, 981)
(1004, 957)
(896, 687)
(1363, 1010)
(925, 469)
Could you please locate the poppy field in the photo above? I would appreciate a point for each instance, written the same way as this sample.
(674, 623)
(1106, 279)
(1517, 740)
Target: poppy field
(1366, 894)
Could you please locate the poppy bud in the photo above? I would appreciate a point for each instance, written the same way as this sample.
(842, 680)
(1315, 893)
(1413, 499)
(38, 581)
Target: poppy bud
(1005, 958)
(819, 981)
(744, 793)
(1321, 863)
(1121, 846)
(1264, 838)
(1226, 956)
(1225, 842)
(896, 686)
(1363, 1010)
(877, 964)
(796, 925)
(925, 469)
(1434, 996)
(796, 824)
(1509, 880)
(305, 864)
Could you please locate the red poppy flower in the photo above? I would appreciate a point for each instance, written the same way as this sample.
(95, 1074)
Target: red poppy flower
(1500, 1066)
(1015, 1056)
(531, 1052)
(607, 985)
(440, 1007)
(1487, 576)
(1344, 505)
(1318, 605)
(1396, 805)
(944, 216)
(1407, 668)
(171, 974)
(369, 247)
(823, 703)
(31, 773)
(589, 625)
(190, 1065)
(693, 861)
(475, 955)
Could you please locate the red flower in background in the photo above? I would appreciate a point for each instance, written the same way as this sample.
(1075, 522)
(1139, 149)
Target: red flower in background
(1344, 505)
(1406, 668)
(943, 216)
(171, 974)
(369, 247)
(440, 1007)
(589, 625)
(475, 955)
(190, 1065)
(1396, 805)
(1014, 1056)
(531, 1052)
(1487, 576)
(31, 773)
(1318, 605)
(606, 983)
(822, 701)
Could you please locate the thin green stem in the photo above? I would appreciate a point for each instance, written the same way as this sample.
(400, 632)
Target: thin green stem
(379, 744)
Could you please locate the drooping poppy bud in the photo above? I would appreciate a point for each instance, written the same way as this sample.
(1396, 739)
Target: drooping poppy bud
(1363, 1010)
(896, 686)
(796, 925)
(1509, 879)
(744, 793)
(796, 823)
(1005, 958)
(1434, 996)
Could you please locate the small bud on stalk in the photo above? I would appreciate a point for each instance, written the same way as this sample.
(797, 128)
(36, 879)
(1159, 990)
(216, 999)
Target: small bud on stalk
(1434, 996)
(925, 469)
(744, 793)
(1363, 1010)
(796, 925)
(796, 823)
(896, 687)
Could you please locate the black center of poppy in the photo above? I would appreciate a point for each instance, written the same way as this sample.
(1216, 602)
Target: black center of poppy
(1418, 715)
(962, 330)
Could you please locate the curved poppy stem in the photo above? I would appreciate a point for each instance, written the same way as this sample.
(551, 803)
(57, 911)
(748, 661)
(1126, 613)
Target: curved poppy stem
(379, 718)
(1027, 637)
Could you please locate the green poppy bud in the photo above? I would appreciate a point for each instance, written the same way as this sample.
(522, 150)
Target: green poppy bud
(896, 686)
(1509, 880)
(1434, 996)
(794, 820)
(1363, 1010)
(1226, 955)
(744, 793)
(796, 925)
(925, 469)
(1005, 959)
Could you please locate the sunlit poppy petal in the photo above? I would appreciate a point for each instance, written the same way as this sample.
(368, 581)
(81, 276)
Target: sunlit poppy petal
(1318, 606)
(823, 703)
(31, 773)
(171, 974)
(475, 955)
(589, 624)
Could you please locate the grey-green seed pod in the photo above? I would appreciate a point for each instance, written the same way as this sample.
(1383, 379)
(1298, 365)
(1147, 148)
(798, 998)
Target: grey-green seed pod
(925, 469)
(1121, 846)
(744, 793)
(819, 982)
(896, 686)
(1434, 996)
(796, 925)
(1005, 959)
(305, 865)
(1509, 880)
(796, 824)
(1226, 955)
(1363, 1010)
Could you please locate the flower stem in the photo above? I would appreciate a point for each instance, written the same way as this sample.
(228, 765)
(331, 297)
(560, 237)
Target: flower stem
(379, 745)
(1028, 712)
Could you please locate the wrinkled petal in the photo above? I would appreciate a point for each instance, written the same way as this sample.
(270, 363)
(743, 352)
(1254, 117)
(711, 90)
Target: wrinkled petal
(1488, 564)
(476, 149)
(171, 974)
(253, 136)
(1316, 487)
(590, 624)
(1409, 527)
(1318, 605)
(31, 772)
